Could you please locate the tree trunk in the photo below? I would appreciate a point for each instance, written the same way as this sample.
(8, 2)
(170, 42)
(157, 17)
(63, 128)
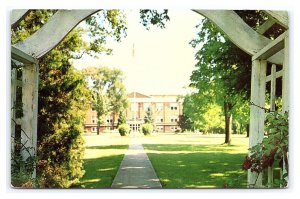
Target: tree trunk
(248, 130)
(98, 124)
(228, 122)
(113, 121)
(241, 129)
(98, 128)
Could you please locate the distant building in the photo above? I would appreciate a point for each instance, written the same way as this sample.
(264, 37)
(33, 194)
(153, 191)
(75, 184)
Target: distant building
(166, 110)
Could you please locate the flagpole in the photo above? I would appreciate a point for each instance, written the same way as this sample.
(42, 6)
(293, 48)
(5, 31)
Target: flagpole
(134, 92)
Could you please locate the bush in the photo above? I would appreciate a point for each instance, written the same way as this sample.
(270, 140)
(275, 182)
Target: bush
(147, 129)
(124, 129)
(60, 160)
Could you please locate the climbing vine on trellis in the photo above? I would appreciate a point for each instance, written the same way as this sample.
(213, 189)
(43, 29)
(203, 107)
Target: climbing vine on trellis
(273, 148)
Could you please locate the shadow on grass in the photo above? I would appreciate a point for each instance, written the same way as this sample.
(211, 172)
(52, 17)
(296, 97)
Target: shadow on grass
(108, 147)
(192, 148)
(100, 172)
(206, 166)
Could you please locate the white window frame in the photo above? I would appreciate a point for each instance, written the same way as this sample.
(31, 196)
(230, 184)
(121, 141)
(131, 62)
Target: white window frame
(147, 105)
(94, 120)
(159, 106)
(174, 106)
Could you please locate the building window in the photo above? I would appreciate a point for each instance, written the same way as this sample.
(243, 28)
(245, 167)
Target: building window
(109, 120)
(173, 107)
(134, 107)
(94, 129)
(174, 119)
(147, 106)
(159, 120)
(159, 129)
(159, 106)
(94, 119)
(173, 128)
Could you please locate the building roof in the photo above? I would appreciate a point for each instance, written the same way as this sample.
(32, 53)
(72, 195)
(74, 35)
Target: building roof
(139, 97)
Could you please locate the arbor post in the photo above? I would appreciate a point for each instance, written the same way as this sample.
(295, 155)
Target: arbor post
(30, 109)
(285, 90)
(257, 113)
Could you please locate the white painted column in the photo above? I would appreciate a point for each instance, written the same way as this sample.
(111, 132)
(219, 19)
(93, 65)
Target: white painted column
(285, 77)
(272, 108)
(257, 115)
(285, 86)
(30, 105)
(13, 110)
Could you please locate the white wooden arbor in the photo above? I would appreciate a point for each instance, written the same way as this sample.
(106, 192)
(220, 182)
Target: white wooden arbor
(253, 42)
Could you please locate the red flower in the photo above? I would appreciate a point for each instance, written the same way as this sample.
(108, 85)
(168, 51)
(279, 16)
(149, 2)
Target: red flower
(247, 163)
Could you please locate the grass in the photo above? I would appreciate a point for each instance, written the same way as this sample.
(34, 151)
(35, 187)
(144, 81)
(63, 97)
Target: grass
(180, 160)
(197, 161)
(103, 156)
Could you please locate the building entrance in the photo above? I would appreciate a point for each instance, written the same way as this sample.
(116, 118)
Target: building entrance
(135, 127)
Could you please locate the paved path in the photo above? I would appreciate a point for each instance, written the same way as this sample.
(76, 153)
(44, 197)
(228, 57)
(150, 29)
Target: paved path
(136, 170)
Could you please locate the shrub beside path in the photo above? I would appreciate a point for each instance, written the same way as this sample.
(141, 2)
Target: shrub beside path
(136, 170)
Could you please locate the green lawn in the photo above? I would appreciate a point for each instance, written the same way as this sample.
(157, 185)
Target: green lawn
(103, 156)
(197, 161)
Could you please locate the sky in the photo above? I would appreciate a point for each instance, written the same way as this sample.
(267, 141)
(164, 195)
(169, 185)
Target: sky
(163, 60)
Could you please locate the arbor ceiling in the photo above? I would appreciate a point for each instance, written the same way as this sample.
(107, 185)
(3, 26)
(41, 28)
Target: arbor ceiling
(49, 36)
(63, 21)
(16, 16)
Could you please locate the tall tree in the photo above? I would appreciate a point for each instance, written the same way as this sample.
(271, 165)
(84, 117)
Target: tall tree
(185, 123)
(149, 117)
(223, 68)
(117, 95)
(63, 92)
(108, 91)
(205, 115)
(63, 99)
(223, 71)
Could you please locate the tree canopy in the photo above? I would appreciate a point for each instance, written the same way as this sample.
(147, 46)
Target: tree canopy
(63, 94)
(109, 95)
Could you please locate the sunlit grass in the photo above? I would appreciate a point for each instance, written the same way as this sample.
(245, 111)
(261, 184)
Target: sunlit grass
(197, 161)
(103, 156)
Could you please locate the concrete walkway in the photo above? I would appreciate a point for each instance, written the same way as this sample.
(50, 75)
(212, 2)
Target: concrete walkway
(136, 170)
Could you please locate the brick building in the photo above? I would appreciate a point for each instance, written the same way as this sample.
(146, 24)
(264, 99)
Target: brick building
(166, 110)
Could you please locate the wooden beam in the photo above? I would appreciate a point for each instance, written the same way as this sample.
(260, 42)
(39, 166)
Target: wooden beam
(236, 29)
(281, 17)
(272, 48)
(273, 87)
(239, 32)
(277, 58)
(16, 82)
(257, 114)
(16, 16)
(277, 74)
(49, 36)
(265, 26)
(21, 56)
(28, 129)
(272, 108)
(285, 77)
(64, 21)
(13, 100)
